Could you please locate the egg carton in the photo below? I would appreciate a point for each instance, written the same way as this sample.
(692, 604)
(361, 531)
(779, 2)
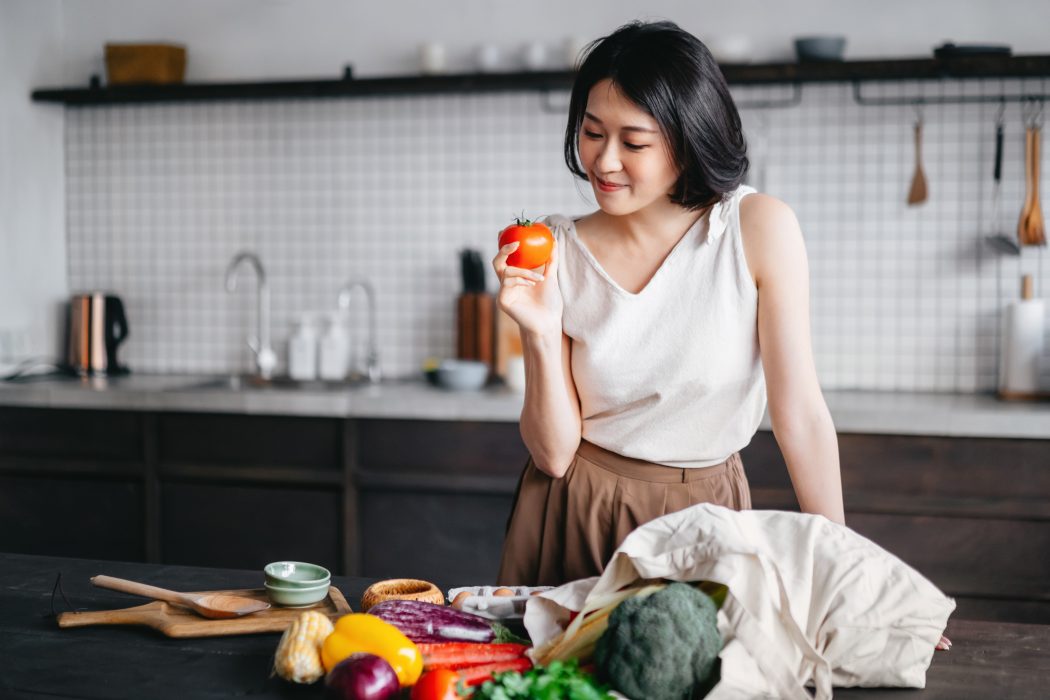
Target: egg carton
(483, 601)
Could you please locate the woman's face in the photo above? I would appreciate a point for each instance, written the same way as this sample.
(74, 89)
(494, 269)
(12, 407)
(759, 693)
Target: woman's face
(624, 153)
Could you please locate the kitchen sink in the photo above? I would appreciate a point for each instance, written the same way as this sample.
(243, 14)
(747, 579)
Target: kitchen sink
(248, 382)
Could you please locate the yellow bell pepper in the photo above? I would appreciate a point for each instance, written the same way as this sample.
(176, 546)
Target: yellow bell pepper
(360, 632)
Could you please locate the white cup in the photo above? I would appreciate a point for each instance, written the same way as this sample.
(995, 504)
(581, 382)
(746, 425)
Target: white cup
(488, 58)
(574, 46)
(515, 376)
(534, 56)
(432, 58)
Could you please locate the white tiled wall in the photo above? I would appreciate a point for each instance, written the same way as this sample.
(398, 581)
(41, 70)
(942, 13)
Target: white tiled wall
(160, 197)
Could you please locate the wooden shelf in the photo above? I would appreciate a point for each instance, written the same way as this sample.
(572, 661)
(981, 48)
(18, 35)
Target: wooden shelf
(737, 74)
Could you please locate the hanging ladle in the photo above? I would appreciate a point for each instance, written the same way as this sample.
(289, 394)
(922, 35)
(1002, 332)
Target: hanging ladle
(917, 193)
(212, 605)
(1031, 228)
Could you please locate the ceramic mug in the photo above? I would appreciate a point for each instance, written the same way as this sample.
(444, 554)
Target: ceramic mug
(432, 58)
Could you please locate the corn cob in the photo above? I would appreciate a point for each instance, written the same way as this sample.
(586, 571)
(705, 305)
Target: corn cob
(298, 656)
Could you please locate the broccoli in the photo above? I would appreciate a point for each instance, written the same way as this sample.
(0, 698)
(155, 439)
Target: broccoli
(663, 646)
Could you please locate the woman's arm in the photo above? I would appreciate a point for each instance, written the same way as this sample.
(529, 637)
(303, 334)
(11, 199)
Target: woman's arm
(550, 419)
(776, 256)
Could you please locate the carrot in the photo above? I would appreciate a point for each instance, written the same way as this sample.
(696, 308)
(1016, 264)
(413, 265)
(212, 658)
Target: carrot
(456, 655)
(476, 675)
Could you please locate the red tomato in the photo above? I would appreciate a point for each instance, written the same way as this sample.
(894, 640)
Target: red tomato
(535, 243)
(439, 684)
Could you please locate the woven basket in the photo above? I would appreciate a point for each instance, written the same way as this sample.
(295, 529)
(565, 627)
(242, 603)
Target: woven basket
(130, 64)
(401, 589)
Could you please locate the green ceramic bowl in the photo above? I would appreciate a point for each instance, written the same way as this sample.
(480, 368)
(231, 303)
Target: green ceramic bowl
(296, 574)
(295, 597)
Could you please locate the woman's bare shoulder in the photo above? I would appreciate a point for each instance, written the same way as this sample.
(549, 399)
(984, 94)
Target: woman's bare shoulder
(762, 211)
(588, 225)
(770, 233)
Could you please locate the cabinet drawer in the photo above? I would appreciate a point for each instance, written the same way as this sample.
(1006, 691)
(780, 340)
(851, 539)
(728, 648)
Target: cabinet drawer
(453, 540)
(952, 467)
(250, 441)
(246, 527)
(49, 433)
(72, 517)
(981, 557)
(447, 447)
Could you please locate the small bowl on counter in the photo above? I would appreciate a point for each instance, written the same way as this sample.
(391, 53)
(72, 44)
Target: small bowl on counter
(296, 574)
(457, 375)
(302, 597)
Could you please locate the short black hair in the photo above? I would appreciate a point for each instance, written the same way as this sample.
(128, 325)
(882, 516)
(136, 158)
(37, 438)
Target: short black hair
(670, 74)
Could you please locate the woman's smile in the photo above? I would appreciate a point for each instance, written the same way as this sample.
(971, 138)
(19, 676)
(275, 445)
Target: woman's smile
(605, 186)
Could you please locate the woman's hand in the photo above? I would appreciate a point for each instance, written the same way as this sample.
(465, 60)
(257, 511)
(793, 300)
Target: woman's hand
(944, 645)
(532, 299)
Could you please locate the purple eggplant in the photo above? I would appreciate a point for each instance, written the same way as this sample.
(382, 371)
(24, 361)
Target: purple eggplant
(426, 623)
(362, 677)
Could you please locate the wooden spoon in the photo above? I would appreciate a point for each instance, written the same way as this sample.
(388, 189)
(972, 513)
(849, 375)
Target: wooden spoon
(917, 192)
(211, 605)
(1030, 228)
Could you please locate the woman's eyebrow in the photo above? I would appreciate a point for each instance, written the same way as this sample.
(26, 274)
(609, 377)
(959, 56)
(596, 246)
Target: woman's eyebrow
(642, 129)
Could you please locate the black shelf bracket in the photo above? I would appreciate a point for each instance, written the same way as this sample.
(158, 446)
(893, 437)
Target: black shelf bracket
(922, 100)
(793, 101)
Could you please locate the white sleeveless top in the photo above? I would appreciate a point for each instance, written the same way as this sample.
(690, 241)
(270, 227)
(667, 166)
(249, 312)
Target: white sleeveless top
(671, 375)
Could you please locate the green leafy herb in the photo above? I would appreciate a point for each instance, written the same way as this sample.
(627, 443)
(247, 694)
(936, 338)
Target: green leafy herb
(558, 681)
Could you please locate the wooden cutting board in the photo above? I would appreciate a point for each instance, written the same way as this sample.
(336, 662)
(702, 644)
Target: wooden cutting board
(176, 621)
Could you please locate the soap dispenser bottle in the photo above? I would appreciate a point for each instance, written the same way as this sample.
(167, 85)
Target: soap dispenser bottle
(302, 350)
(335, 348)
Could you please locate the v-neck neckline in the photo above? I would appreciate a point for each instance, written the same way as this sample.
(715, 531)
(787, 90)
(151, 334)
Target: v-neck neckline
(689, 233)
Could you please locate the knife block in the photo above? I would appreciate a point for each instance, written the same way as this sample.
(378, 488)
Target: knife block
(475, 327)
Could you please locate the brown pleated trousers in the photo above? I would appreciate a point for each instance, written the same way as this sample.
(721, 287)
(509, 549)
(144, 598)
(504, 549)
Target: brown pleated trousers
(565, 529)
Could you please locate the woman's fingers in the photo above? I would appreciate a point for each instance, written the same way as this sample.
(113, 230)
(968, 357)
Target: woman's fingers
(511, 282)
(499, 263)
(945, 644)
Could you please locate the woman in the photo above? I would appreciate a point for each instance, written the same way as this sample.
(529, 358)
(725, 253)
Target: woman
(661, 320)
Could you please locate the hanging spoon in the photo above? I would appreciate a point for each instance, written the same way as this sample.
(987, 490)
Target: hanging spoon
(1030, 228)
(917, 193)
(212, 605)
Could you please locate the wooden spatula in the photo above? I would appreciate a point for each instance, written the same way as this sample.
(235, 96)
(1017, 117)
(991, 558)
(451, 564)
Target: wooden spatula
(211, 605)
(1031, 228)
(917, 192)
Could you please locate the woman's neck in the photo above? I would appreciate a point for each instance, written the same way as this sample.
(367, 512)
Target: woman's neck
(655, 227)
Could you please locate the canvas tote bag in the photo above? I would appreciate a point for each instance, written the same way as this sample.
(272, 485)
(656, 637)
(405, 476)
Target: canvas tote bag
(810, 602)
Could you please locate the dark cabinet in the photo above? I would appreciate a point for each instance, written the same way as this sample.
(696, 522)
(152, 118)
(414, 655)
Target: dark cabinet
(971, 514)
(245, 526)
(454, 539)
(72, 517)
(430, 499)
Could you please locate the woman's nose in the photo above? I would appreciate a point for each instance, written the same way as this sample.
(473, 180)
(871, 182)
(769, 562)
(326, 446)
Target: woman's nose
(608, 159)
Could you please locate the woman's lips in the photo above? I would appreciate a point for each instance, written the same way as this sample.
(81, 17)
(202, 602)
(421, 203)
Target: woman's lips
(607, 186)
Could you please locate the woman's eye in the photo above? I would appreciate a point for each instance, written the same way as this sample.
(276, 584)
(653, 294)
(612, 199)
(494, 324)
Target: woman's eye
(592, 135)
(635, 146)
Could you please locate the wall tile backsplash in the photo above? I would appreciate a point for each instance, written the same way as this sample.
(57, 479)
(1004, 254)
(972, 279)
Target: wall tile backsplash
(160, 197)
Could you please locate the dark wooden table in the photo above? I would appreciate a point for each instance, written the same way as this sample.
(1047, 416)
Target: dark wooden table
(39, 660)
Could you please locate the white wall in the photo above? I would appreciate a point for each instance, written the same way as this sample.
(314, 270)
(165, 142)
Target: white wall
(32, 204)
(256, 39)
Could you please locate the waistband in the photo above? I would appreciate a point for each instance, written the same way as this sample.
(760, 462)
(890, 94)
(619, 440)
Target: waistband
(648, 471)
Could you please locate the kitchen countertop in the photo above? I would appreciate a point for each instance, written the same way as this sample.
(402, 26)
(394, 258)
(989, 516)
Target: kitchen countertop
(987, 659)
(896, 413)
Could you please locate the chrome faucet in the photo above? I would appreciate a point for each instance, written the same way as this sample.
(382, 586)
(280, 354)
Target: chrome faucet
(265, 357)
(372, 371)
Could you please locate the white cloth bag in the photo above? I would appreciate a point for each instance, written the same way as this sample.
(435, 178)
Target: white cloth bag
(810, 602)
